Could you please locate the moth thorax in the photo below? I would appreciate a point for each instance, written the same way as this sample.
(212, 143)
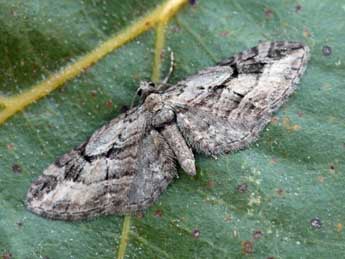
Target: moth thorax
(153, 102)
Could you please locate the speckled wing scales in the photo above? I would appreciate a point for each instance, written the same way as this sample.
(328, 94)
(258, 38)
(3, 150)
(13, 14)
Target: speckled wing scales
(122, 168)
(224, 108)
(129, 162)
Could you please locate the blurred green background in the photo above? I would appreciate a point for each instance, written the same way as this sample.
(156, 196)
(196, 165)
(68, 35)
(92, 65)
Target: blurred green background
(280, 198)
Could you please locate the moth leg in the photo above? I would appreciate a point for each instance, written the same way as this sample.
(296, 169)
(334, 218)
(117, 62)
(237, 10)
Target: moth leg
(182, 152)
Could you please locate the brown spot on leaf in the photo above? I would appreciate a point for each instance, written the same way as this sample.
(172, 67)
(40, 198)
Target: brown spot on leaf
(109, 104)
(210, 184)
(300, 114)
(268, 12)
(339, 227)
(257, 234)
(93, 93)
(332, 167)
(224, 33)
(280, 192)
(271, 257)
(306, 33)
(247, 247)
(10, 146)
(16, 169)
(196, 233)
(158, 213)
(243, 187)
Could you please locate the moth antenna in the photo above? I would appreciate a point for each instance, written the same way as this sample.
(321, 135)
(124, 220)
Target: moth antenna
(171, 69)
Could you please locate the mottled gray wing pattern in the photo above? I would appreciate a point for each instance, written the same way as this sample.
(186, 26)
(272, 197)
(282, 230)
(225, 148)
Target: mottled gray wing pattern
(123, 167)
(224, 108)
(129, 162)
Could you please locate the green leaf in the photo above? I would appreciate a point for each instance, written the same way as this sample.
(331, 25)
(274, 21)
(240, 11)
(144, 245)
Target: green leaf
(292, 177)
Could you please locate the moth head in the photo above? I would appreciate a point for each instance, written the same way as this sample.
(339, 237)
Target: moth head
(153, 102)
(145, 89)
(280, 49)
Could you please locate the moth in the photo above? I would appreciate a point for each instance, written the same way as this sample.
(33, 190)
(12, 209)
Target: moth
(126, 165)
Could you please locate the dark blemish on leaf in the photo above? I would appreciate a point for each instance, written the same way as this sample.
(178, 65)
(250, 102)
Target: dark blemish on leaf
(243, 187)
(300, 114)
(13, 13)
(268, 13)
(10, 146)
(16, 169)
(271, 257)
(332, 167)
(109, 104)
(306, 33)
(257, 234)
(247, 247)
(158, 213)
(298, 8)
(93, 93)
(192, 2)
(196, 233)
(316, 223)
(210, 184)
(19, 223)
(326, 50)
(224, 33)
(280, 192)
(7, 255)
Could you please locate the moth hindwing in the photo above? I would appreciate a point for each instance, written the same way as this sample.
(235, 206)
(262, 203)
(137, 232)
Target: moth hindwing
(128, 163)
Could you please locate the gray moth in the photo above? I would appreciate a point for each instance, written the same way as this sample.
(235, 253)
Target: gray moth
(125, 165)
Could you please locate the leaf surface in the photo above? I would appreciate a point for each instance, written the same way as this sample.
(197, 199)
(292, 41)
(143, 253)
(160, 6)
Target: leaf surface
(282, 197)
